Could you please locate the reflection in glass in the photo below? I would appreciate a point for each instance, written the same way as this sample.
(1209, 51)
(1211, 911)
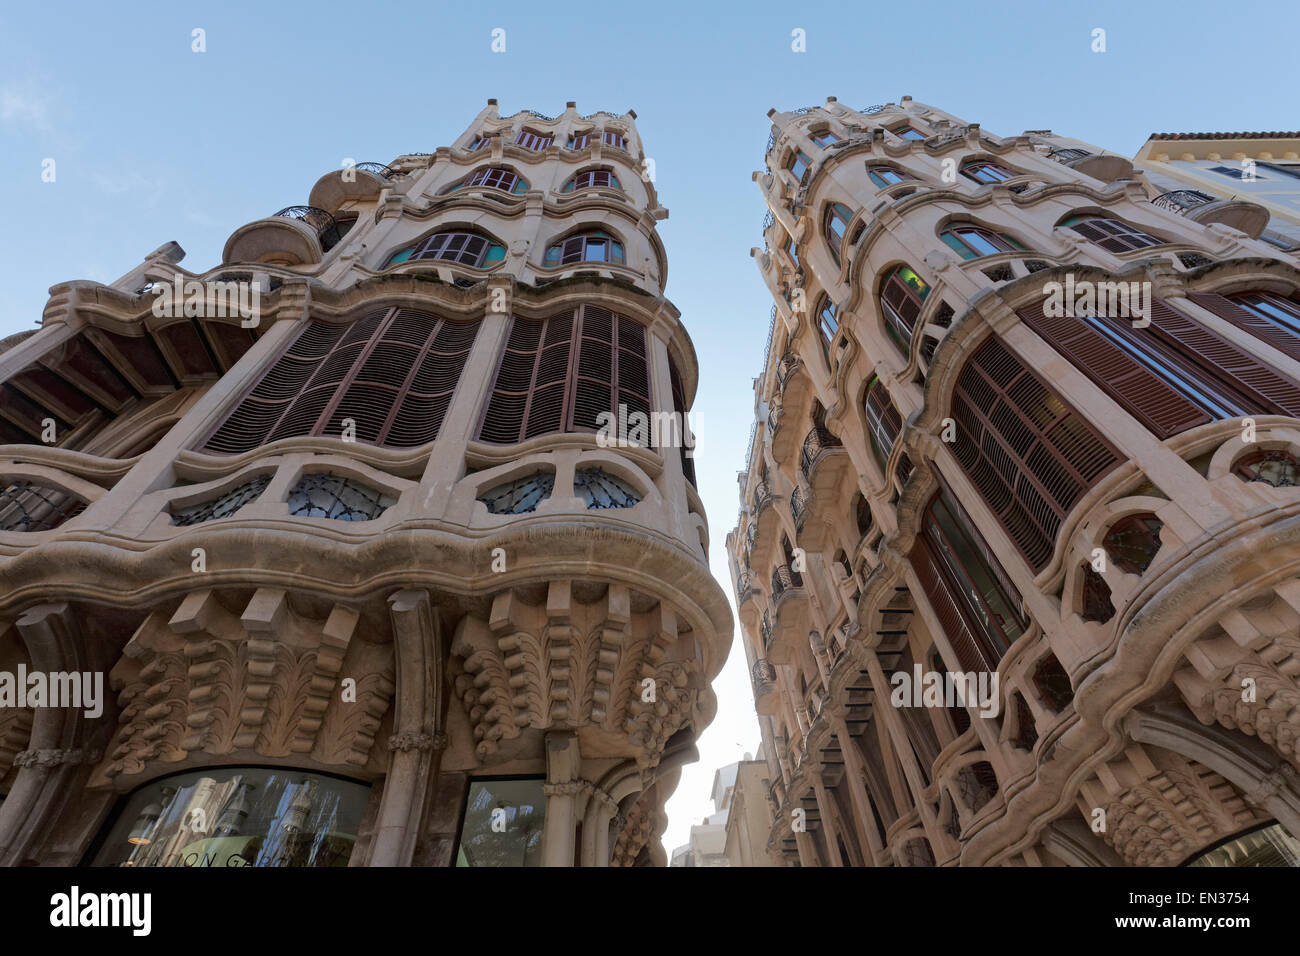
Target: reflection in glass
(238, 817)
(503, 823)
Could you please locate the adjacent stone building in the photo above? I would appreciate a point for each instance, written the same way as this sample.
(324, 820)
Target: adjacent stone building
(338, 523)
(1019, 419)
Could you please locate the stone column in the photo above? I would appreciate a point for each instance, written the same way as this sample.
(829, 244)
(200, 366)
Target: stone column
(864, 825)
(563, 764)
(826, 808)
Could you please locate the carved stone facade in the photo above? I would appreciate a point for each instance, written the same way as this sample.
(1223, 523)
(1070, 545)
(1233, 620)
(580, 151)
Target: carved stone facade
(947, 477)
(357, 557)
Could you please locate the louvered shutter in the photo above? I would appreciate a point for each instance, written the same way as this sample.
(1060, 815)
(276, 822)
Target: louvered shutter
(970, 656)
(883, 420)
(596, 372)
(1258, 382)
(1031, 456)
(548, 403)
(679, 407)
(504, 420)
(1288, 343)
(1143, 394)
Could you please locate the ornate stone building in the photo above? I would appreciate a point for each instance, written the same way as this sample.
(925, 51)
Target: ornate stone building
(951, 474)
(368, 584)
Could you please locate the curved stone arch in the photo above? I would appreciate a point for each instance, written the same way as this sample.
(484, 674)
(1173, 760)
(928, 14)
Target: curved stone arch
(1267, 439)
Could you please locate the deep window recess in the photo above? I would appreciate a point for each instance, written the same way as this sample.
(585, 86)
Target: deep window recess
(883, 421)
(683, 425)
(1111, 234)
(1132, 542)
(392, 373)
(1030, 455)
(799, 164)
(558, 374)
(902, 297)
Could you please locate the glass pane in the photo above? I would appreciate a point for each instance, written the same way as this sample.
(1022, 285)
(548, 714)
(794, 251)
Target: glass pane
(977, 242)
(503, 824)
(238, 817)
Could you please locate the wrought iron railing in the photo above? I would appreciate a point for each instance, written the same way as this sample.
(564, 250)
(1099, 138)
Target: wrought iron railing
(783, 579)
(765, 628)
(785, 370)
(879, 108)
(773, 417)
(746, 585)
(816, 443)
(799, 507)
(379, 169)
(1181, 200)
(763, 672)
(327, 229)
(1065, 156)
(762, 497)
(768, 219)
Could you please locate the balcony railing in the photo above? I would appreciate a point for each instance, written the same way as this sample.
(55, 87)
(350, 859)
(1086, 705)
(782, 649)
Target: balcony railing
(773, 418)
(379, 169)
(878, 108)
(765, 628)
(1067, 155)
(746, 585)
(783, 579)
(1182, 200)
(767, 221)
(327, 229)
(817, 442)
(786, 368)
(763, 673)
(799, 507)
(762, 497)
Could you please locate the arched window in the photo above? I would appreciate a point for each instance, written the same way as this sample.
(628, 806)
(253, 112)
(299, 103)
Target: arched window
(496, 177)
(594, 246)
(392, 372)
(1171, 375)
(971, 242)
(827, 320)
(972, 596)
(984, 171)
(884, 176)
(1031, 456)
(883, 421)
(798, 164)
(823, 137)
(836, 226)
(1132, 542)
(590, 178)
(1111, 234)
(534, 141)
(902, 297)
(559, 374)
(462, 247)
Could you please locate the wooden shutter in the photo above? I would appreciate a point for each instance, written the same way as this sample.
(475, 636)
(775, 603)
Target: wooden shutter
(1031, 456)
(970, 656)
(1259, 383)
(882, 419)
(392, 372)
(1284, 341)
(1141, 392)
(504, 420)
(679, 406)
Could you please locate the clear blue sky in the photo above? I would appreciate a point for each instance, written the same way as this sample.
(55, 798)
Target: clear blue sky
(154, 142)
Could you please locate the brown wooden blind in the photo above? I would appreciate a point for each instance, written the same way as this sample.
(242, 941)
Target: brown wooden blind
(1285, 341)
(679, 406)
(970, 656)
(883, 420)
(1142, 393)
(393, 372)
(560, 373)
(1029, 453)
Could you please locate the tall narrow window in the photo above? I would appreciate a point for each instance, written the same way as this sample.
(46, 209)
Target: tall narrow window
(789, 251)
(902, 297)
(799, 164)
(836, 226)
(683, 424)
(1111, 234)
(828, 322)
(559, 374)
(1031, 456)
(391, 373)
(883, 420)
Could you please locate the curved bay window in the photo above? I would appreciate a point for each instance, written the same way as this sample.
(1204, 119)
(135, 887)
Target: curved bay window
(1171, 375)
(391, 374)
(902, 296)
(836, 227)
(561, 373)
(593, 246)
(984, 171)
(884, 176)
(494, 177)
(972, 242)
(1029, 453)
(972, 596)
(237, 816)
(591, 178)
(1269, 317)
(462, 247)
(1111, 234)
(883, 421)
